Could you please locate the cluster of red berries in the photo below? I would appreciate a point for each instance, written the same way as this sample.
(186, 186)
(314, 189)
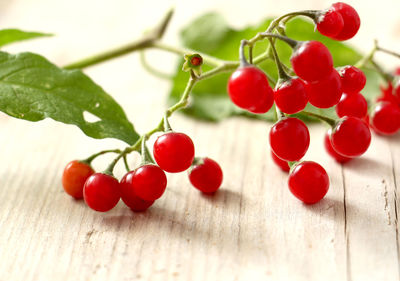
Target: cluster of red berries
(385, 116)
(173, 152)
(320, 84)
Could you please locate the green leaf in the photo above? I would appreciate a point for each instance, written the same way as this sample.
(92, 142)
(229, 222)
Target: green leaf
(211, 34)
(8, 36)
(32, 88)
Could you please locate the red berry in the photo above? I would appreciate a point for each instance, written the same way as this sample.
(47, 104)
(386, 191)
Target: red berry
(206, 175)
(396, 90)
(147, 182)
(137, 204)
(174, 152)
(289, 139)
(387, 94)
(262, 107)
(309, 182)
(280, 163)
(291, 96)
(352, 105)
(325, 93)
(249, 89)
(74, 177)
(353, 79)
(101, 192)
(397, 71)
(328, 147)
(329, 23)
(351, 137)
(385, 118)
(351, 21)
(311, 61)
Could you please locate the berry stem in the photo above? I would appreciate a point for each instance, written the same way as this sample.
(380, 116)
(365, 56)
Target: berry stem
(292, 43)
(151, 69)
(242, 57)
(281, 72)
(369, 59)
(126, 163)
(92, 157)
(331, 122)
(397, 55)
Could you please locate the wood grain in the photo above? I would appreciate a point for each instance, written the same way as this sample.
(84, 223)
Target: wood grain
(252, 229)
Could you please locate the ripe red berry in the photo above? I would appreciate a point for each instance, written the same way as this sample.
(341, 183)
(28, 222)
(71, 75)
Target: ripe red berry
(137, 204)
(351, 137)
(328, 147)
(352, 105)
(147, 182)
(329, 23)
(397, 71)
(396, 89)
(387, 94)
(291, 96)
(385, 118)
(351, 21)
(249, 89)
(325, 93)
(74, 177)
(309, 182)
(101, 192)
(262, 107)
(174, 152)
(289, 139)
(311, 61)
(353, 79)
(280, 163)
(206, 175)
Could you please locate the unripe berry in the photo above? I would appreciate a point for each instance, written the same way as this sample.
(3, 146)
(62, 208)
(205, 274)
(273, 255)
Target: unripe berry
(74, 177)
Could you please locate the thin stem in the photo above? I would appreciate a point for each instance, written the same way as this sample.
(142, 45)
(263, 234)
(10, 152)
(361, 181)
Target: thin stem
(279, 114)
(292, 43)
(397, 55)
(145, 42)
(329, 121)
(207, 59)
(92, 157)
(153, 70)
(281, 72)
(126, 163)
(185, 96)
(242, 57)
(251, 54)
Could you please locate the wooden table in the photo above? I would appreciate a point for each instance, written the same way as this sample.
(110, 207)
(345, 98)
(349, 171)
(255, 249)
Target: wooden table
(252, 229)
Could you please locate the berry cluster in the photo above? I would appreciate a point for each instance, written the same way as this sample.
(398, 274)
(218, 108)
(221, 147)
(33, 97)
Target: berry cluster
(316, 82)
(173, 152)
(385, 116)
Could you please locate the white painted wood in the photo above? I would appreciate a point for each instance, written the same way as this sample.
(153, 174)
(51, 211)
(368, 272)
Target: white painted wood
(252, 229)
